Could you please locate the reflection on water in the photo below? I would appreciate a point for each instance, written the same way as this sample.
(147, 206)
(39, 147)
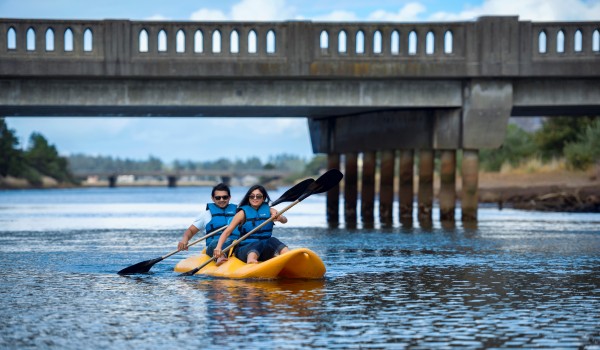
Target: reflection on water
(517, 280)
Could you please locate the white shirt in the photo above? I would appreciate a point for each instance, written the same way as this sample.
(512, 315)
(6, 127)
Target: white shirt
(202, 220)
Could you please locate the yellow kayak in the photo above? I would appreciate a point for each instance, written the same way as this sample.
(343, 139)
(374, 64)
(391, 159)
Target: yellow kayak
(297, 263)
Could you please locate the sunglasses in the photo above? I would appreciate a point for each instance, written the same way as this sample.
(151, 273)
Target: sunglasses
(255, 196)
(221, 197)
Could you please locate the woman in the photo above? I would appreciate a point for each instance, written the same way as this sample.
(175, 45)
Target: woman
(252, 211)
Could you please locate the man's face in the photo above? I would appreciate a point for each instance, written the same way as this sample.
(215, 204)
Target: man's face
(221, 199)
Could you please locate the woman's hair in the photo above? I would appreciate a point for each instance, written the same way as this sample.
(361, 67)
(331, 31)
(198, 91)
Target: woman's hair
(246, 201)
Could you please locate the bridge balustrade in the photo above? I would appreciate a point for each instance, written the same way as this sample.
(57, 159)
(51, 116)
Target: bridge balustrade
(416, 49)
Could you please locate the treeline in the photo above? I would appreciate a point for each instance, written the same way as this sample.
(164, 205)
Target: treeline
(576, 139)
(38, 159)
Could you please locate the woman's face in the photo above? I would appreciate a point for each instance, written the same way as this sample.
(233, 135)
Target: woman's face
(256, 198)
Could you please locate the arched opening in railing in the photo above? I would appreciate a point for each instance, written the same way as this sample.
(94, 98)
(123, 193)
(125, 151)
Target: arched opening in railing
(342, 45)
(234, 42)
(180, 41)
(360, 43)
(88, 40)
(448, 42)
(143, 41)
(216, 41)
(252, 41)
(560, 42)
(395, 42)
(324, 40)
(198, 41)
(11, 39)
(271, 42)
(430, 43)
(542, 42)
(412, 43)
(377, 42)
(68, 40)
(162, 41)
(578, 41)
(596, 41)
(49, 39)
(31, 39)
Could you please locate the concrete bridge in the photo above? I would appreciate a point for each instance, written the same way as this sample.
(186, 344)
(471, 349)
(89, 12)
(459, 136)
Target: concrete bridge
(172, 177)
(372, 92)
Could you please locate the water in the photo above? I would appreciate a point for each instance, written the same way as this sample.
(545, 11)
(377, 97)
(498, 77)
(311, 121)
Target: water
(518, 280)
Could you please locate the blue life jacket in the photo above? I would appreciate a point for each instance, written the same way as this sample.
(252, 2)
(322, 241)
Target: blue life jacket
(220, 217)
(253, 219)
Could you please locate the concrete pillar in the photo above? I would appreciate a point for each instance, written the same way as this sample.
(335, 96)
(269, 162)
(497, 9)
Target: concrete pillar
(407, 190)
(470, 180)
(367, 193)
(112, 181)
(447, 196)
(386, 188)
(425, 195)
(172, 181)
(350, 189)
(333, 195)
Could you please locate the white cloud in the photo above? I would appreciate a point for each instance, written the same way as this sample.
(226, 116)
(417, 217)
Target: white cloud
(158, 18)
(409, 13)
(338, 16)
(534, 10)
(262, 10)
(208, 15)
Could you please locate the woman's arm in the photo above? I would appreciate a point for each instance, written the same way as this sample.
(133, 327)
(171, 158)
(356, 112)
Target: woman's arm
(239, 217)
(281, 218)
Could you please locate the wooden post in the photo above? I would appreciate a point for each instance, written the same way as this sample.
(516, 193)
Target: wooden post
(367, 193)
(386, 188)
(470, 183)
(350, 189)
(333, 195)
(447, 185)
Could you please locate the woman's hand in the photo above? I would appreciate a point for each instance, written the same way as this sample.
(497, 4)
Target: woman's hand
(217, 253)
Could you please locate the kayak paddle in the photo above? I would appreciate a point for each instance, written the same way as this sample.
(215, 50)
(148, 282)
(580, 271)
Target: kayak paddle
(323, 184)
(145, 266)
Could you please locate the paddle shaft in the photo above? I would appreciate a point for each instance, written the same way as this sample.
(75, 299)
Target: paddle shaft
(232, 245)
(208, 235)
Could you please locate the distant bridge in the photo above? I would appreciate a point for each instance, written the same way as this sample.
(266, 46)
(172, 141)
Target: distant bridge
(172, 177)
(370, 89)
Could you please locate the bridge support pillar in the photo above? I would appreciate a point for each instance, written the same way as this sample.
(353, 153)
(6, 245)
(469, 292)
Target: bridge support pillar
(367, 193)
(406, 191)
(226, 180)
(172, 181)
(447, 195)
(386, 188)
(350, 189)
(112, 181)
(425, 195)
(333, 195)
(469, 195)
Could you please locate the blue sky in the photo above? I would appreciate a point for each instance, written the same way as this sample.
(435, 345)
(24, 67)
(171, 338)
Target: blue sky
(202, 139)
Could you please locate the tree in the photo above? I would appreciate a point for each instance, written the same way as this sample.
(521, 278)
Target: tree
(44, 157)
(517, 147)
(11, 156)
(557, 132)
(586, 150)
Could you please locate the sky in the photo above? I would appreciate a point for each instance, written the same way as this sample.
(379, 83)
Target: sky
(206, 139)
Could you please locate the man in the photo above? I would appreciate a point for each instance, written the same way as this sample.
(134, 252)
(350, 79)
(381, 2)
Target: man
(217, 214)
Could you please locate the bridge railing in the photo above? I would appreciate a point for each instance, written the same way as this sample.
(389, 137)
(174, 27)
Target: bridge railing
(490, 46)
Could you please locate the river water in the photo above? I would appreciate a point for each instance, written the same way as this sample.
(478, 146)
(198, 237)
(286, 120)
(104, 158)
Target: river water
(517, 280)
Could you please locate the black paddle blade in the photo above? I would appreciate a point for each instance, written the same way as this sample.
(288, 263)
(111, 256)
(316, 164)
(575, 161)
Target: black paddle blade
(324, 183)
(294, 192)
(141, 267)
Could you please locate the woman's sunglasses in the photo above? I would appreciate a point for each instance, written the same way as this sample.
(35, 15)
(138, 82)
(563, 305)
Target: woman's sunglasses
(221, 197)
(255, 196)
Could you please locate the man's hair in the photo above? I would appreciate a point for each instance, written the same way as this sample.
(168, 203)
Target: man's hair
(220, 187)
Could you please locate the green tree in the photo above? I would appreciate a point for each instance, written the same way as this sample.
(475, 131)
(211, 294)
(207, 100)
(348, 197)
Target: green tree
(517, 147)
(586, 150)
(11, 159)
(44, 158)
(557, 132)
